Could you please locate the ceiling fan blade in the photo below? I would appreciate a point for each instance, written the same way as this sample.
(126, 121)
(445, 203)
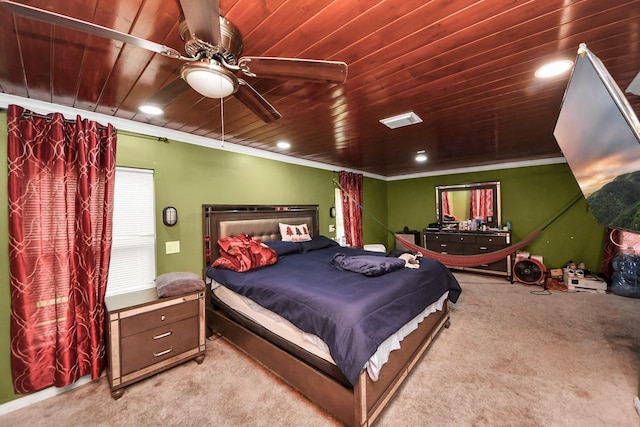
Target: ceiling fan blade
(86, 27)
(305, 69)
(168, 93)
(255, 102)
(203, 19)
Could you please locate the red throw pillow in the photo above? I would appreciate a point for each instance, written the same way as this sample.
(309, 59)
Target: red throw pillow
(243, 253)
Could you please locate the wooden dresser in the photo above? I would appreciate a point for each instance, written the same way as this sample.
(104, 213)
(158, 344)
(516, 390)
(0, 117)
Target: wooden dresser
(147, 334)
(472, 243)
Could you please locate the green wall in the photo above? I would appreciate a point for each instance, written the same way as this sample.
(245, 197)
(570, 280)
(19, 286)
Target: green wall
(531, 197)
(187, 176)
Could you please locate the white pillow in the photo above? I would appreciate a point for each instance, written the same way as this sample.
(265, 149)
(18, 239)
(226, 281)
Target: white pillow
(294, 233)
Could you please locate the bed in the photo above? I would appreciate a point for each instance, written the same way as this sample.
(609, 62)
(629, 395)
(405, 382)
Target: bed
(337, 377)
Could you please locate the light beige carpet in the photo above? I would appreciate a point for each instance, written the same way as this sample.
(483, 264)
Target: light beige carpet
(510, 358)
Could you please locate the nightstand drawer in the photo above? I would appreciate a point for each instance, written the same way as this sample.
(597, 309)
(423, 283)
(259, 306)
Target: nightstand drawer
(152, 346)
(155, 318)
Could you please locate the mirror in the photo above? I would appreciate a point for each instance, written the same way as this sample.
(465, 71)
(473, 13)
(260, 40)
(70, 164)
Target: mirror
(457, 205)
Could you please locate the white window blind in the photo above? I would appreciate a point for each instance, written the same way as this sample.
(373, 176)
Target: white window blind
(133, 252)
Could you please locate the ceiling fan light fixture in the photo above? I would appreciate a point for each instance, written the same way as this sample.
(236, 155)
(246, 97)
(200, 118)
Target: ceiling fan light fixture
(209, 78)
(401, 120)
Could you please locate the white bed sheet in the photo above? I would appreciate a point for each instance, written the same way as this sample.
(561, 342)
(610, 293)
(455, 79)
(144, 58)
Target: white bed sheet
(312, 343)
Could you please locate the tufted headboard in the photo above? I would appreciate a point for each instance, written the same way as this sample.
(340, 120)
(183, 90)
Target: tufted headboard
(259, 221)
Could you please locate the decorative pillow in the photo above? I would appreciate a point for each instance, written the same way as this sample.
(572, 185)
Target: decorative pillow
(284, 248)
(318, 242)
(178, 283)
(294, 233)
(243, 253)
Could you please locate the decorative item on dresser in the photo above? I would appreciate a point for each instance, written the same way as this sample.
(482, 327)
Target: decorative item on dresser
(148, 334)
(456, 242)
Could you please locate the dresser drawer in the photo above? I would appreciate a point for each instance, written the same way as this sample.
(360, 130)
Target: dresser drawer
(464, 238)
(437, 237)
(492, 240)
(453, 248)
(483, 249)
(500, 265)
(152, 346)
(155, 318)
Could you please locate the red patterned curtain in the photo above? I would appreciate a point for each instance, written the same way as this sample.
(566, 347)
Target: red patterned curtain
(61, 181)
(446, 208)
(351, 184)
(482, 203)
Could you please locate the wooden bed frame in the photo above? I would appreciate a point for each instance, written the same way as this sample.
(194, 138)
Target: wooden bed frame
(358, 405)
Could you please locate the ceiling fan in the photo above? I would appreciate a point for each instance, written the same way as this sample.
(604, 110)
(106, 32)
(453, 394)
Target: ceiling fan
(213, 46)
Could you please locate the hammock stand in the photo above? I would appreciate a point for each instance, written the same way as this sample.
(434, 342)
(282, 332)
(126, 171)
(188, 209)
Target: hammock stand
(469, 260)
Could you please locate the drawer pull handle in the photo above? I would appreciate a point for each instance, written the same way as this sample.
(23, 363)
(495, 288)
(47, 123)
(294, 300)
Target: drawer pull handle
(162, 353)
(166, 334)
(483, 248)
(163, 317)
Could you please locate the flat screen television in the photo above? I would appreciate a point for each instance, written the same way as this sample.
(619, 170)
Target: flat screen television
(599, 135)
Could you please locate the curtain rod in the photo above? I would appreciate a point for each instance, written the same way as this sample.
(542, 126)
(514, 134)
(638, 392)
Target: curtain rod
(48, 118)
(142, 135)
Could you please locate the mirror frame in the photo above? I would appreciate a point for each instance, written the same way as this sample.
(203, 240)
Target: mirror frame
(494, 185)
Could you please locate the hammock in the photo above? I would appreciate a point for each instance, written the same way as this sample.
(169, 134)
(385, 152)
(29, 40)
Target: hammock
(469, 260)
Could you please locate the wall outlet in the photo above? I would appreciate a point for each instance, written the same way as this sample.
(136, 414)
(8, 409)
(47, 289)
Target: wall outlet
(332, 228)
(172, 247)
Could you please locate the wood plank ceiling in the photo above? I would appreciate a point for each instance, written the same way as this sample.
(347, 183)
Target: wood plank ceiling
(466, 67)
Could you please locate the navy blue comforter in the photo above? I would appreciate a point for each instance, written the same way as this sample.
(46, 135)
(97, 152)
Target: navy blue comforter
(351, 312)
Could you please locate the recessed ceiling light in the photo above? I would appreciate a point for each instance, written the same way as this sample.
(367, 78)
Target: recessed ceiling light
(283, 144)
(401, 120)
(154, 110)
(421, 156)
(553, 68)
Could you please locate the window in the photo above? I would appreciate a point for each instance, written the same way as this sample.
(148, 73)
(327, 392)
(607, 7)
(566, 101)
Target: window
(133, 253)
(339, 217)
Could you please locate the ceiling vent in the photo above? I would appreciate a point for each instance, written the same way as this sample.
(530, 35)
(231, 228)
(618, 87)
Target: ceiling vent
(401, 120)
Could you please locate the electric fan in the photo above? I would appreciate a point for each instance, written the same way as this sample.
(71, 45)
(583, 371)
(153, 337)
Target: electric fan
(529, 271)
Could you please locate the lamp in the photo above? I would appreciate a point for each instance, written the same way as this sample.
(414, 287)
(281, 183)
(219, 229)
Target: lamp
(209, 78)
(170, 216)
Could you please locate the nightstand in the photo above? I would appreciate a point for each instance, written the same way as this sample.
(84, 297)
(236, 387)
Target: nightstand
(147, 334)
